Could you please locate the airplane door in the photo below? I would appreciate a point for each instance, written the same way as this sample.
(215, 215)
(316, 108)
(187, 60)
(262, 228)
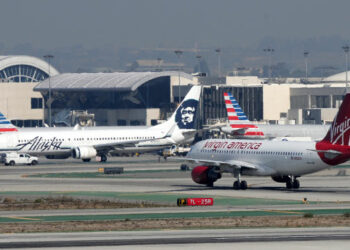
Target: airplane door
(308, 158)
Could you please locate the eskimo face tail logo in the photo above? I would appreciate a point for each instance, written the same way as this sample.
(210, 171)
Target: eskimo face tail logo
(186, 113)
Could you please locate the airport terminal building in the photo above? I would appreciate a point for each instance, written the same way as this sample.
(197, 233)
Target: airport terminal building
(144, 98)
(120, 98)
(18, 76)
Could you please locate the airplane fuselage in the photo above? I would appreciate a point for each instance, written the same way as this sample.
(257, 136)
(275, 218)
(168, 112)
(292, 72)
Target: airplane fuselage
(60, 141)
(271, 157)
(314, 132)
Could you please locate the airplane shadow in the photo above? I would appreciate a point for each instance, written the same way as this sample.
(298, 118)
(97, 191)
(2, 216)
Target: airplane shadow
(338, 190)
(301, 190)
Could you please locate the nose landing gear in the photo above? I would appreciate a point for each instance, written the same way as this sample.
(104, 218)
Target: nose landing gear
(238, 184)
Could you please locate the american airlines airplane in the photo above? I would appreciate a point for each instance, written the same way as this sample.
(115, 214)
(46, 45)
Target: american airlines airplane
(284, 161)
(241, 127)
(86, 143)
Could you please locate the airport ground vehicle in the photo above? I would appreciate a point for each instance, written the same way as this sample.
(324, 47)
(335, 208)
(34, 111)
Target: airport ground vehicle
(14, 158)
(176, 150)
(284, 161)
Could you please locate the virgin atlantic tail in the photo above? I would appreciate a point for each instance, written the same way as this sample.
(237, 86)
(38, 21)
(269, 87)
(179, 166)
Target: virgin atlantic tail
(335, 147)
(6, 125)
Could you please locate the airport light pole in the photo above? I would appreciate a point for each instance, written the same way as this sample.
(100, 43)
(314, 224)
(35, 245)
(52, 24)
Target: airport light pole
(218, 51)
(269, 51)
(346, 50)
(199, 63)
(306, 54)
(48, 58)
(178, 54)
(159, 62)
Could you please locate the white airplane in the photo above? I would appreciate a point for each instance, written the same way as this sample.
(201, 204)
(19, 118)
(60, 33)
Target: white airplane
(86, 143)
(241, 127)
(284, 161)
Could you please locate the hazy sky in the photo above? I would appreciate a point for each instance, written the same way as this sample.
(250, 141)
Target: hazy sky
(168, 23)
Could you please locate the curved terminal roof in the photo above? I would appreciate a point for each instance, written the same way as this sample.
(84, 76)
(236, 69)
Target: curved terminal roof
(340, 77)
(25, 69)
(122, 81)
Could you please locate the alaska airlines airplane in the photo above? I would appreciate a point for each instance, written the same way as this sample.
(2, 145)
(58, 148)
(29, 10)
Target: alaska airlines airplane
(241, 127)
(86, 143)
(284, 161)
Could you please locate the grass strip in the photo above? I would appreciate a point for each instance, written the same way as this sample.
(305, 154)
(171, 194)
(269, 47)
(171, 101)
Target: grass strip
(184, 215)
(162, 198)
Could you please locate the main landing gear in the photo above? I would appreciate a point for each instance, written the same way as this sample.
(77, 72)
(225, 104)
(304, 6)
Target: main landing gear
(238, 184)
(103, 158)
(292, 183)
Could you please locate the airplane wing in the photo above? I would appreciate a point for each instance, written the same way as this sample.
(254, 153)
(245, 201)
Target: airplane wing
(129, 143)
(230, 163)
(119, 145)
(193, 132)
(233, 131)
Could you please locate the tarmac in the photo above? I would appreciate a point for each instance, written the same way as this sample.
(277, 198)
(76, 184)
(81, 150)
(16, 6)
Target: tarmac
(288, 238)
(147, 178)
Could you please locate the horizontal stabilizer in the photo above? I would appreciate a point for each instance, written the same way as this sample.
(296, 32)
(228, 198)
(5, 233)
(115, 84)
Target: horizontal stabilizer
(330, 151)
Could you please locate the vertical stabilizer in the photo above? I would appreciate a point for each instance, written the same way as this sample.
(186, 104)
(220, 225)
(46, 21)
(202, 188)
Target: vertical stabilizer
(184, 117)
(6, 125)
(238, 120)
(339, 132)
(334, 148)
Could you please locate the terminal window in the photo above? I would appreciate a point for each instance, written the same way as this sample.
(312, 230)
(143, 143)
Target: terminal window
(121, 122)
(27, 123)
(37, 103)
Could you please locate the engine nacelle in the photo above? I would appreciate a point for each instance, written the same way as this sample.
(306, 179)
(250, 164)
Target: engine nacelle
(204, 175)
(280, 179)
(84, 152)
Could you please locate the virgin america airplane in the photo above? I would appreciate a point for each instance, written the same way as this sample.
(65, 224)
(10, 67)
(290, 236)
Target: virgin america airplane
(284, 161)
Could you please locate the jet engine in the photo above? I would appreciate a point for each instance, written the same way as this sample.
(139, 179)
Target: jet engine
(84, 152)
(204, 175)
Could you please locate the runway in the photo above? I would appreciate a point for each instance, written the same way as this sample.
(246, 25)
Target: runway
(198, 238)
(324, 186)
(148, 179)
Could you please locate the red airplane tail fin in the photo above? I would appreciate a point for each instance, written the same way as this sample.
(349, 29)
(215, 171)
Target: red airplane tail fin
(339, 132)
(334, 148)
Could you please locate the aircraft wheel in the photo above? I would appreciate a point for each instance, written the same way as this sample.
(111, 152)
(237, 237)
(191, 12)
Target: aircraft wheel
(236, 185)
(103, 158)
(244, 185)
(210, 184)
(296, 184)
(289, 184)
